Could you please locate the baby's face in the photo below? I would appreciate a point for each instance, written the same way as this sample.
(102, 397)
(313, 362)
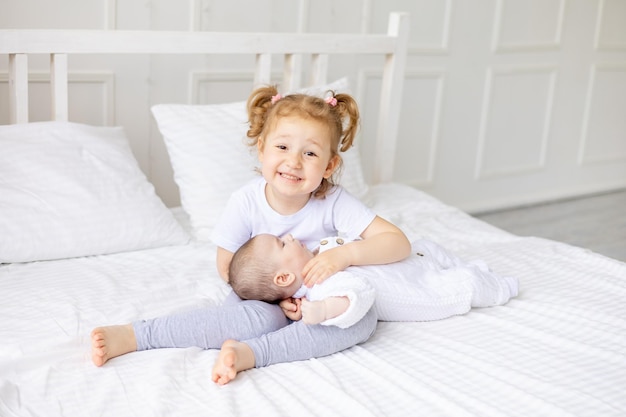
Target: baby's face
(288, 253)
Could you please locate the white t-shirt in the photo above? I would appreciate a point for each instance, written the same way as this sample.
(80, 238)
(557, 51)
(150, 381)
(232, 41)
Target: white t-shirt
(248, 214)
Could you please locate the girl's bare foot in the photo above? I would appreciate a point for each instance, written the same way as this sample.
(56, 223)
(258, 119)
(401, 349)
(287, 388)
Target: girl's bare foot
(111, 341)
(234, 357)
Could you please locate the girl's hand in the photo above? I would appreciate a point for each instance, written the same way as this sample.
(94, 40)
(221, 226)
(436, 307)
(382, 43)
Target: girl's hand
(291, 308)
(324, 265)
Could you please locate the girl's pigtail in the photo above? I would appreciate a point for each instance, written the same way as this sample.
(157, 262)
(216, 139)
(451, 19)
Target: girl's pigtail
(258, 105)
(349, 113)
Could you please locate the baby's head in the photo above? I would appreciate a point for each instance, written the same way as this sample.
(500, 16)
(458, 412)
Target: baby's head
(338, 114)
(268, 268)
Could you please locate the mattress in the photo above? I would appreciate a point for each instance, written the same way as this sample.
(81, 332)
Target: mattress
(558, 348)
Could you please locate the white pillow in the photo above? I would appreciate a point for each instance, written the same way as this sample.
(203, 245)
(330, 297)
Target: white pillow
(210, 157)
(69, 190)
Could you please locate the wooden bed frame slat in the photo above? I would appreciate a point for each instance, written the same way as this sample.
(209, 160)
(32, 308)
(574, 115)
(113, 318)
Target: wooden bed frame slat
(263, 70)
(34, 41)
(59, 87)
(59, 44)
(291, 72)
(391, 101)
(319, 69)
(18, 88)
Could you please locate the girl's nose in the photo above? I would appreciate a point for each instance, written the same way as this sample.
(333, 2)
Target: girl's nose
(294, 160)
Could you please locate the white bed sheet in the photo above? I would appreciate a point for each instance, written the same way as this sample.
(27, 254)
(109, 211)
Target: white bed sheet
(558, 349)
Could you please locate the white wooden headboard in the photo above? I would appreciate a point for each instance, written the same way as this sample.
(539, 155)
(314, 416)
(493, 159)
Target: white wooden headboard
(58, 44)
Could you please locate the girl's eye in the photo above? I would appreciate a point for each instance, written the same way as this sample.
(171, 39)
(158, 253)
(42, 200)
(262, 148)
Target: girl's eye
(281, 147)
(312, 154)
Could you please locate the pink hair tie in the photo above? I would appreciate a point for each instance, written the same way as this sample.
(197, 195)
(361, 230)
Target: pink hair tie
(276, 98)
(331, 100)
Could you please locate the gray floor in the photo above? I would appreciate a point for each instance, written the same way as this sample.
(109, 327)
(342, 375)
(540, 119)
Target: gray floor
(596, 222)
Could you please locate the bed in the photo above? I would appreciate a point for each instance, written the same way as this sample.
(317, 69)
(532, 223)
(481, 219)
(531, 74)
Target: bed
(85, 242)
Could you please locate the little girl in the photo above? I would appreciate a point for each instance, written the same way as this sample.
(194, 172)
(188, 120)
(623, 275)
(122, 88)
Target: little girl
(298, 138)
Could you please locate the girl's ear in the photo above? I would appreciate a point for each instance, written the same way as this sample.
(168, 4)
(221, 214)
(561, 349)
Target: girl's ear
(259, 148)
(332, 166)
(284, 279)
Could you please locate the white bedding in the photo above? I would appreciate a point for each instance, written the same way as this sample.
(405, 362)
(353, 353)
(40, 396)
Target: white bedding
(558, 349)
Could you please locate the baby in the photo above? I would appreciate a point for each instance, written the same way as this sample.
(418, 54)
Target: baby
(431, 284)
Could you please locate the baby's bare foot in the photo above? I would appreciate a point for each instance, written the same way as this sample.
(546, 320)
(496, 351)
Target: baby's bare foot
(234, 357)
(111, 341)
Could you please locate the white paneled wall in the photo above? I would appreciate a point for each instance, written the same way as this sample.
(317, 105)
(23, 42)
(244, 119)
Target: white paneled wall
(506, 102)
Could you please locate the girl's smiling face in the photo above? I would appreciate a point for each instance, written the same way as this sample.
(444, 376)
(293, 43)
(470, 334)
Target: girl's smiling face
(295, 156)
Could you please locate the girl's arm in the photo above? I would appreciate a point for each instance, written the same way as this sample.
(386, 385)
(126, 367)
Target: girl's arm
(382, 243)
(223, 262)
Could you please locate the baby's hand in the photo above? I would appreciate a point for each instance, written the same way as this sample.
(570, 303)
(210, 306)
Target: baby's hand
(313, 312)
(323, 266)
(291, 308)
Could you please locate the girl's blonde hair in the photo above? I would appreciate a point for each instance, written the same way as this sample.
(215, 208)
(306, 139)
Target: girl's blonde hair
(265, 107)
